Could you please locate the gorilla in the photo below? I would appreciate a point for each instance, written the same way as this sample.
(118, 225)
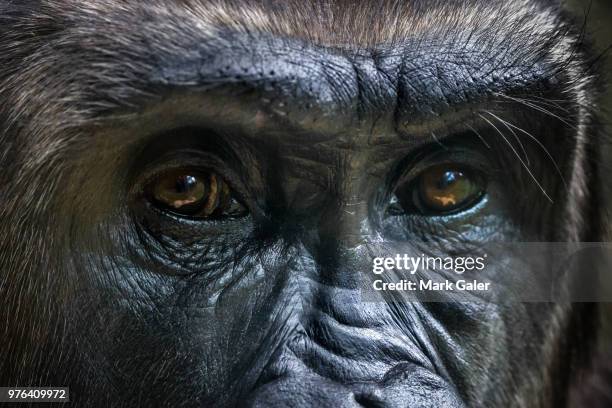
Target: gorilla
(192, 193)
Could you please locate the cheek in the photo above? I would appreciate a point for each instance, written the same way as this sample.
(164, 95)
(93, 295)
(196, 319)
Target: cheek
(480, 341)
(197, 327)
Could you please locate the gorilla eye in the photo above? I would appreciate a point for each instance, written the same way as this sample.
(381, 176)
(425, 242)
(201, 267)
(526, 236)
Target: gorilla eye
(440, 190)
(194, 194)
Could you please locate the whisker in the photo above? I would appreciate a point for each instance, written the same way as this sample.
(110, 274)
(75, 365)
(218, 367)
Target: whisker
(518, 157)
(518, 140)
(539, 109)
(549, 102)
(546, 151)
(438, 141)
(479, 136)
(534, 99)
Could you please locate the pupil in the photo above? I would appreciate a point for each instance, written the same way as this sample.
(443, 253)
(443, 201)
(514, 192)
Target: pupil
(448, 179)
(184, 184)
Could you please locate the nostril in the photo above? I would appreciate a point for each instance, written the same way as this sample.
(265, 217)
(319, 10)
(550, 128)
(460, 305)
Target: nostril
(369, 400)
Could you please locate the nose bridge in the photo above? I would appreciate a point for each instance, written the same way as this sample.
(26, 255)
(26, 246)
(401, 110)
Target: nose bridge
(344, 226)
(346, 222)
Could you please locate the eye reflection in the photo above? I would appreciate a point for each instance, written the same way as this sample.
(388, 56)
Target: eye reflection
(187, 190)
(440, 189)
(194, 193)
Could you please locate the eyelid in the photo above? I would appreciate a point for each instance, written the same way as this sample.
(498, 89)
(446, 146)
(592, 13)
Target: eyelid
(461, 157)
(198, 161)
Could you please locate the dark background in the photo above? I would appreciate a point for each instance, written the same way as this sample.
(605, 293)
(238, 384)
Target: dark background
(598, 15)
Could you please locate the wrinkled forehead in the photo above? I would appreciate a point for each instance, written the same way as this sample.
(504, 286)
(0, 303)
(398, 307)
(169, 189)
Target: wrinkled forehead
(100, 56)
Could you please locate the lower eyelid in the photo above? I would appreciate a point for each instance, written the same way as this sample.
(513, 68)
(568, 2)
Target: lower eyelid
(455, 218)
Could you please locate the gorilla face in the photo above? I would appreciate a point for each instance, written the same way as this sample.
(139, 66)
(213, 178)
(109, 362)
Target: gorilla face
(192, 192)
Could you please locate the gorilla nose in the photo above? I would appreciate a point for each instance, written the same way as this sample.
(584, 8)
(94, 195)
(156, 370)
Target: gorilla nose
(405, 385)
(303, 392)
(347, 224)
(340, 247)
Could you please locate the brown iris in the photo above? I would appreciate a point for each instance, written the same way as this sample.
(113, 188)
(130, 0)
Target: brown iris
(194, 193)
(446, 188)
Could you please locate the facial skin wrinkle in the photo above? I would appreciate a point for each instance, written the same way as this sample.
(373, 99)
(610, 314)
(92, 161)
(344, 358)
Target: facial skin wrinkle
(118, 93)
